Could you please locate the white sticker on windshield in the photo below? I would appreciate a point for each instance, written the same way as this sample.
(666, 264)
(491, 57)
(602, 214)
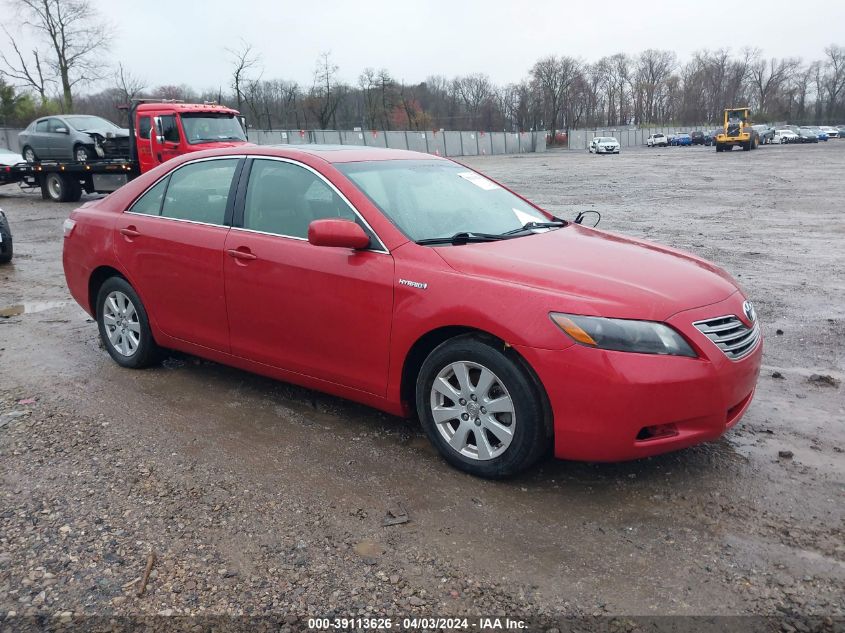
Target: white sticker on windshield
(478, 180)
(523, 217)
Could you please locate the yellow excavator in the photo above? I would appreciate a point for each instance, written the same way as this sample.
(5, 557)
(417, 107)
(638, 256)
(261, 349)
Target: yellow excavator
(737, 131)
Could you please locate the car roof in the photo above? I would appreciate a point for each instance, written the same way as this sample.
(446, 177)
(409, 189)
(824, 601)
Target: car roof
(329, 153)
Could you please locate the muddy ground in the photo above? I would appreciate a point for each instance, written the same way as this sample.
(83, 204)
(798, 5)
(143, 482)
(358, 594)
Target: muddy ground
(259, 497)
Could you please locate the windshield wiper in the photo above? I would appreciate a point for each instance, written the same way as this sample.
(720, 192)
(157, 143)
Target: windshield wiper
(535, 225)
(463, 237)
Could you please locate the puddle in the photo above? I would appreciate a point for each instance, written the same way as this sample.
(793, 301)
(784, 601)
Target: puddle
(29, 307)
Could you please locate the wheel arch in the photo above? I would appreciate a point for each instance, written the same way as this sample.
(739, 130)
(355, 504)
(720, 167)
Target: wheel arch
(426, 344)
(96, 280)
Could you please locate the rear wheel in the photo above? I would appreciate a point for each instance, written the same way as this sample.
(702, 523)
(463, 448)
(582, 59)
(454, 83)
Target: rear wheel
(29, 154)
(124, 326)
(61, 188)
(481, 408)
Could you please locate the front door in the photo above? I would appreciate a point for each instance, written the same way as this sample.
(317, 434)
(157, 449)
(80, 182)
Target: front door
(144, 144)
(171, 245)
(171, 141)
(320, 311)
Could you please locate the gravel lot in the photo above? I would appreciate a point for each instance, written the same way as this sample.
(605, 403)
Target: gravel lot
(262, 498)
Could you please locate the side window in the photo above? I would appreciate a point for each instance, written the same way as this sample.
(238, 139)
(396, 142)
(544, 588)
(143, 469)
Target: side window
(150, 202)
(41, 126)
(144, 126)
(284, 199)
(199, 191)
(169, 129)
(54, 124)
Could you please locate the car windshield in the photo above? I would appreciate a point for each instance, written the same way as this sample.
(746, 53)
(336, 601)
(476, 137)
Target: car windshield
(429, 199)
(209, 127)
(607, 139)
(84, 122)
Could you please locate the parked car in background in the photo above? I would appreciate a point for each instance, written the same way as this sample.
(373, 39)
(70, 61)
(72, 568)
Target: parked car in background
(620, 348)
(657, 140)
(7, 159)
(708, 138)
(682, 139)
(697, 137)
(75, 137)
(604, 145)
(820, 135)
(806, 135)
(764, 132)
(6, 247)
(831, 131)
(784, 136)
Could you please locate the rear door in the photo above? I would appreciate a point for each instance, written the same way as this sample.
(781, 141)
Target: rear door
(171, 244)
(320, 311)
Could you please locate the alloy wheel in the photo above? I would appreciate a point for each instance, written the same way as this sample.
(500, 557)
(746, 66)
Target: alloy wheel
(472, 410)
(121, 322)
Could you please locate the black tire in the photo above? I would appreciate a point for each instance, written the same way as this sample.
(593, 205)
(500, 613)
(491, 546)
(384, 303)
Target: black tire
(146, 351)
(530, 438)
(60, 188)
(6, 247)
(79, 151)
(27, 149)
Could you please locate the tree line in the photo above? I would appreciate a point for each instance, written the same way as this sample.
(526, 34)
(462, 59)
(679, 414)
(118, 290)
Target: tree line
(559, 92)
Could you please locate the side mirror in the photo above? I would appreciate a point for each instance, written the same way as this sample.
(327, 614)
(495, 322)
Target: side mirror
(579, 219)
(61, 130)
(338, 233)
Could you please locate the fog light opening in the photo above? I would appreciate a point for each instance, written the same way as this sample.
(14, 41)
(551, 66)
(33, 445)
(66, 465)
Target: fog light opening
(656, 431)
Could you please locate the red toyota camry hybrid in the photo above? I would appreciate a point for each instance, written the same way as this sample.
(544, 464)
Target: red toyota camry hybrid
(411, 283)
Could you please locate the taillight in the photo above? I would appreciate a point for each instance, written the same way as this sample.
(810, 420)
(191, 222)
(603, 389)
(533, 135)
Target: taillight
(68, 227)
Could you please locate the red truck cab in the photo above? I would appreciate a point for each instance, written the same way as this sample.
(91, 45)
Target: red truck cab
(165, 130)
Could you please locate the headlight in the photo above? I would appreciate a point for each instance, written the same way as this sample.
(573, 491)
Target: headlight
(644, 337)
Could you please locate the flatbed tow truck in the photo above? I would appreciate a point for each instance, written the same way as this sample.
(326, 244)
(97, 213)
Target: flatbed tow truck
(158, 131)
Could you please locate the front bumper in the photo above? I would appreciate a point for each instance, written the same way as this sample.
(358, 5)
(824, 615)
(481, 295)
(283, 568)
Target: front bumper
(603, 400)
(607, 150)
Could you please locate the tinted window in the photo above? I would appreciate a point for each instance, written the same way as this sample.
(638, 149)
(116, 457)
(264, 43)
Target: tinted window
(199, 191)
(150, 202)
(169, 129)
(144, 127)
(284, 199)
(54, 124)
(41, 126)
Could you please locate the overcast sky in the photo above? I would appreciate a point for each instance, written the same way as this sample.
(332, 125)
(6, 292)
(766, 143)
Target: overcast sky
(174, 42)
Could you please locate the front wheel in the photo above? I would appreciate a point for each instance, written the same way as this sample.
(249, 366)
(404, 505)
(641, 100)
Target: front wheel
(82, 154)
(124, 325)
(481, 409)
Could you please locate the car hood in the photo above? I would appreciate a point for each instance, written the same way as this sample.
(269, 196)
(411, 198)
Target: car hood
(105, 131)
(598, 273)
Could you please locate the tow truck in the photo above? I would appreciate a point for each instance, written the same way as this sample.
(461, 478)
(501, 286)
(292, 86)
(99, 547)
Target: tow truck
(158, 131)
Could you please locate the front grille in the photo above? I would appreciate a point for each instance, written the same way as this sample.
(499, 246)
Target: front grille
(730, 335)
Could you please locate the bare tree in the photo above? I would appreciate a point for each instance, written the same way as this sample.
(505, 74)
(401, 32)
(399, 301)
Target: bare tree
(835, 84)
(244, 60)
(326, 93)
(30, 74)
(128, 85)
(552, 77)
(73, 36)
(768, 77)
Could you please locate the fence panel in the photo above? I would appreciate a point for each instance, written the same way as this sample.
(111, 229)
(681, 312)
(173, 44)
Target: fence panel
(454, 144)
(469, 143)
(485, 147)
(497, 143)
(416, 141)
(436, 141)
(396, 140)
(9, 138)
(375, 138)
(348, 137)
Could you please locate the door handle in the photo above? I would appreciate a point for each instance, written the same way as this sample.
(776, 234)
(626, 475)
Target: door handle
(129, 231)
(240, 254)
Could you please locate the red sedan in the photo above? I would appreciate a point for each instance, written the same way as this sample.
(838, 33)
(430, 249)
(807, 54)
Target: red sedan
(413, 284)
